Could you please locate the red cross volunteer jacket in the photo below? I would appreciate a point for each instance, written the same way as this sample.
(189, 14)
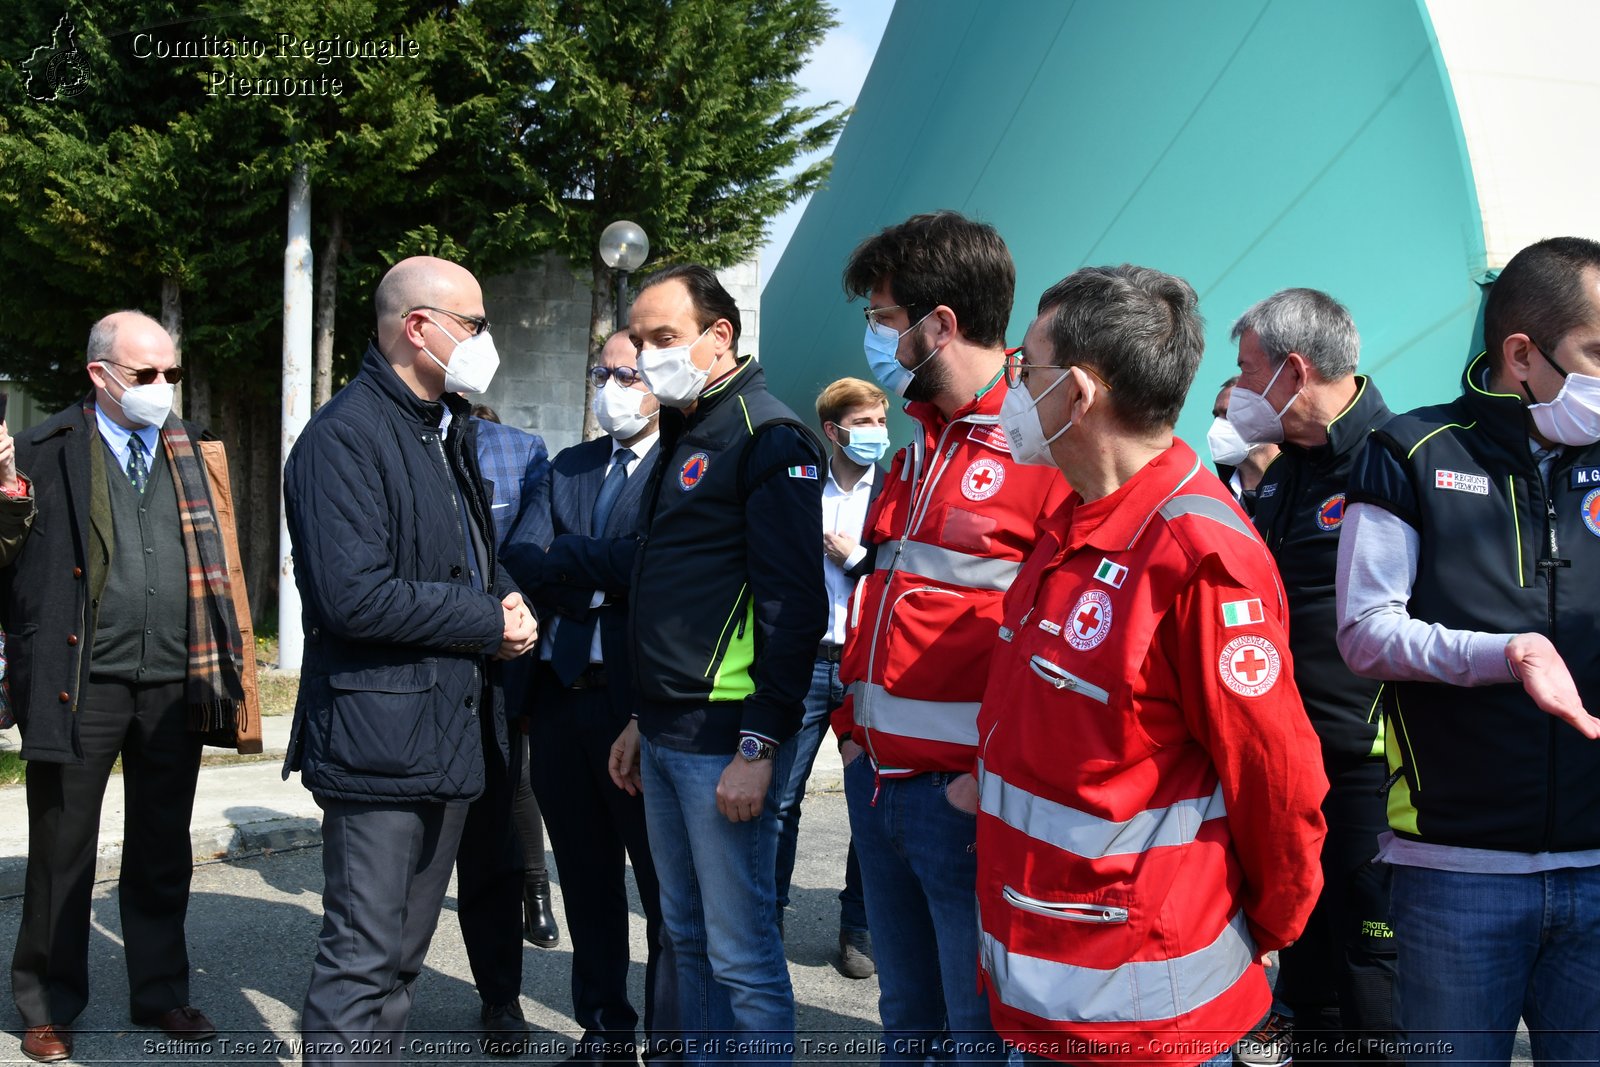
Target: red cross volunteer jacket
(956, 518)
(1150, 787)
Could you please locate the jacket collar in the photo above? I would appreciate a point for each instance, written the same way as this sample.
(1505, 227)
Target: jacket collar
(1503, 417)
(375, 368)
(1349, 429)
(1114, 523)
(746, 376)
(985, 407)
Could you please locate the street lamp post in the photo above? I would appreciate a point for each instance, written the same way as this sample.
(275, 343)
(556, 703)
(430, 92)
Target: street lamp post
(623, 248)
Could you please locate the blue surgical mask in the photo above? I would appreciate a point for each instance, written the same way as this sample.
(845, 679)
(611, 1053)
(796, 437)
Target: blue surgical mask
(866, 444)
(880, 344)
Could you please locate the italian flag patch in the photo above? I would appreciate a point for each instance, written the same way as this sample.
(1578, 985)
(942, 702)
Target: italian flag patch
(808, 471)
(1241, 612)
(1111, 573)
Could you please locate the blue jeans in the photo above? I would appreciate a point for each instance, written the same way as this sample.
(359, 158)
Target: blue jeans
(719, 911)
(919, 865)
(825, 694)
(1479, 950)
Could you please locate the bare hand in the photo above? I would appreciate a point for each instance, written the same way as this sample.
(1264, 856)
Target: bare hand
(1543, 673)
(521, 628)
(8, 459)
(962, 793)
(624, 762)
(849, 752)
(837, 546)
(742, 789)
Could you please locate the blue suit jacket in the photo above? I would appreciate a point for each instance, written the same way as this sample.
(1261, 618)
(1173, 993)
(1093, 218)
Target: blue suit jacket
(515, 467)
(574, 481)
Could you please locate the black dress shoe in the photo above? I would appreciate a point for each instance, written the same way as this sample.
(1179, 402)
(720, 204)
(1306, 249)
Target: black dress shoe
(505, 1031)
(538, 921)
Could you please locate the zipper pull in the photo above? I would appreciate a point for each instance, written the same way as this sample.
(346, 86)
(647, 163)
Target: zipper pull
(1388, 784)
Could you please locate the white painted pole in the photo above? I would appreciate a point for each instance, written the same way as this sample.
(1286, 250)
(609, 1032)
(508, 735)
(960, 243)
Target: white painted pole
(296, 397)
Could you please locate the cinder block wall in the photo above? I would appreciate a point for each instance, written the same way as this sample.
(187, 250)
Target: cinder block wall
(541, 329)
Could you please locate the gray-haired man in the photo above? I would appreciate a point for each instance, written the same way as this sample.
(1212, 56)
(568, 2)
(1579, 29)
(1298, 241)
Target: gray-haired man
(1297, 386)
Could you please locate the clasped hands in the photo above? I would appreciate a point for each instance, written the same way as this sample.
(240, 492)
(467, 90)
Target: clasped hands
(521, 628)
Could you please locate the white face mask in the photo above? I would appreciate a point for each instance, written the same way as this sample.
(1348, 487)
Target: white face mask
(1254, 417)
(616, 408)
(472, 363)
(671, 373)
(147, 405)
(1573, 417)
(1019, 418)
(1228, 449)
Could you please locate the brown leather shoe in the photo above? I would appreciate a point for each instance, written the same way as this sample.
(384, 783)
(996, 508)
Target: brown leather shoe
(47, 1043)
(187, 1022)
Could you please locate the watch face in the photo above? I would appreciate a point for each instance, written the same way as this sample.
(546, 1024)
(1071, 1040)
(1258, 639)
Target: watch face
(749, 748)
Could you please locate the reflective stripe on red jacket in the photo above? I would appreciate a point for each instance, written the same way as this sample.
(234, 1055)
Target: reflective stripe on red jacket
(956, 518)
(1150, 788)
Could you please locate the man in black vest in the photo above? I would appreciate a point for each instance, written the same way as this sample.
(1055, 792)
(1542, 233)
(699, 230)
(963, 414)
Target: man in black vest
(584, 699)
(726, 611)
(1298, 387)
(114, 651)
(1467, 572)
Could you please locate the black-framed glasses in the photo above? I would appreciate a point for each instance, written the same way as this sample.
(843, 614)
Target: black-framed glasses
(148, 375)
(625, 376)
(476, 323)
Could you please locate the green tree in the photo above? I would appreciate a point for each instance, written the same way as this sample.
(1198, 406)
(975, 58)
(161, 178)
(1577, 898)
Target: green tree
(681, 116)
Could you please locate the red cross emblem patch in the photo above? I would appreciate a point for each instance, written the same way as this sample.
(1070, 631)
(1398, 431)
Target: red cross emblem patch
(1087, 624)
(1249, 665)
(983, 479)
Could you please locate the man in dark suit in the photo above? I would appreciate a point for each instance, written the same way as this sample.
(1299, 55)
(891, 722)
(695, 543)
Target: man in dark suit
(496, 877)
(584, 700)
(855, 420)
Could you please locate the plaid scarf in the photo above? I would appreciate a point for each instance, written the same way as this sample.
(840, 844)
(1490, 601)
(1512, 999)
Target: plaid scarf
(214, 690)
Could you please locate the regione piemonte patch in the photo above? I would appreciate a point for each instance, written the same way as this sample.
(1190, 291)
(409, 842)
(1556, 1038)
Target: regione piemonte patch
(983, 479)
(1087, 624)
(1249, 665)
(1461, 483)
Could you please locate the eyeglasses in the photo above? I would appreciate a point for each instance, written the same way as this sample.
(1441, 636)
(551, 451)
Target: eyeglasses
(874, 316)
(625, 376)
(477, 323)
(148, 375)
(1015, 368)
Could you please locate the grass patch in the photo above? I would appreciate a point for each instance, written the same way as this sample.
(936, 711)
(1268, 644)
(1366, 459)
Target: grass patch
(278, 691)
(13, 768)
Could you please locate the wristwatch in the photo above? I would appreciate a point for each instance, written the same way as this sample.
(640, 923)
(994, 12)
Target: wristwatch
(752, 748)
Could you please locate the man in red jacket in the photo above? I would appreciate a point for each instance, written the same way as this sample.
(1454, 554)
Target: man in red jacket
(954, 522)
(1150, 787)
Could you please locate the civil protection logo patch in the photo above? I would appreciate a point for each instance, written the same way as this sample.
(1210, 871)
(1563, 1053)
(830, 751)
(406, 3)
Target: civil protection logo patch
(1087, 624)
(1591, 511)
(694, 468)
(1249, 665)
(1330, 513)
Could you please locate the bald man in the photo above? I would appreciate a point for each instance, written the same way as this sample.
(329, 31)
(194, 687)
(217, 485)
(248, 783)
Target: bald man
(400, 722)
(125, 640)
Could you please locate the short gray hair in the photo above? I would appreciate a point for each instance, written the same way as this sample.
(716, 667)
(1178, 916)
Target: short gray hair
(103, 335)
(1307, 321)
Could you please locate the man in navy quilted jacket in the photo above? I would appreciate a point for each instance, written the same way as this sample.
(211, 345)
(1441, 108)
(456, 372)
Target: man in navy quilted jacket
(399, 720)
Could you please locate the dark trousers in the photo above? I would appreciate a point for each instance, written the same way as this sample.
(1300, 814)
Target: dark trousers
(592, 826)
(146, 725)
(385, 869)
(489, 880)
(1339, 977)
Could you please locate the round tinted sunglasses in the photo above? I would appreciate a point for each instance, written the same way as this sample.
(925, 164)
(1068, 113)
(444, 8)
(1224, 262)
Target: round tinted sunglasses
(625, 376)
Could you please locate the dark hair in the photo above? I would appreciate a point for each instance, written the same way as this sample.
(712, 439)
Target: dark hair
(1138, 328)
(941, 258)
(1541, 293)
(485, 412)
(711, 300)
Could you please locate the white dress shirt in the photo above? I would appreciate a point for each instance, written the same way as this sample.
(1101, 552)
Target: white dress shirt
(844, 511)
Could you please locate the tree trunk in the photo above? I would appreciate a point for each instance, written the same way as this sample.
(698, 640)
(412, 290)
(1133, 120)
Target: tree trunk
(327, 304)
(248, 426)
(602, 324)
(172, 322)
